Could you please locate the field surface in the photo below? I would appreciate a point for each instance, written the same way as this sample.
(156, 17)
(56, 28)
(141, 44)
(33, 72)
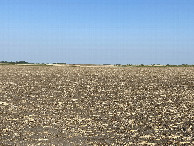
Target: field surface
(50, 105)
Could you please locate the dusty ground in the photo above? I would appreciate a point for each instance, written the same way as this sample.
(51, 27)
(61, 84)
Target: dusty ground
(45, 105)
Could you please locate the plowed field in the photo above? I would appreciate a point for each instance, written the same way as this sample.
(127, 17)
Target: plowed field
(50, 105)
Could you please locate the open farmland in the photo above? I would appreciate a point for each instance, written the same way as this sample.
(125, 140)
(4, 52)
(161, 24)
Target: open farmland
(45, 105)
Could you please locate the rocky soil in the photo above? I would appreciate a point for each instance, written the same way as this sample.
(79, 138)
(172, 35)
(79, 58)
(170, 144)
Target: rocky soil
(50, 105)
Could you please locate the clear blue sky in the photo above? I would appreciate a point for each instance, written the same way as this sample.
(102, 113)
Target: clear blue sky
(97, 31)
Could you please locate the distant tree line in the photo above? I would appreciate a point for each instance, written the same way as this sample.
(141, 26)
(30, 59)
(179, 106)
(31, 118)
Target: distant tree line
(16, 62)
(182, 65)
(119, 65)
(154, 65)
(59, 63)
(24, 62)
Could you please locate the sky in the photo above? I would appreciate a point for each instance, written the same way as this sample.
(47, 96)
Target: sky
(97, 31)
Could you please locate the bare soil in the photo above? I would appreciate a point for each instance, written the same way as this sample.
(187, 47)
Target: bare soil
(50, 105)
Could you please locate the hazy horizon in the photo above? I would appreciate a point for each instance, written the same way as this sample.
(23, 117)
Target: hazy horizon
(98, 31)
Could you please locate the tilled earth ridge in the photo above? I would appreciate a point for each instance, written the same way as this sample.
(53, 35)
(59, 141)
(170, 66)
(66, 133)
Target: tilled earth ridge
(102, 105)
